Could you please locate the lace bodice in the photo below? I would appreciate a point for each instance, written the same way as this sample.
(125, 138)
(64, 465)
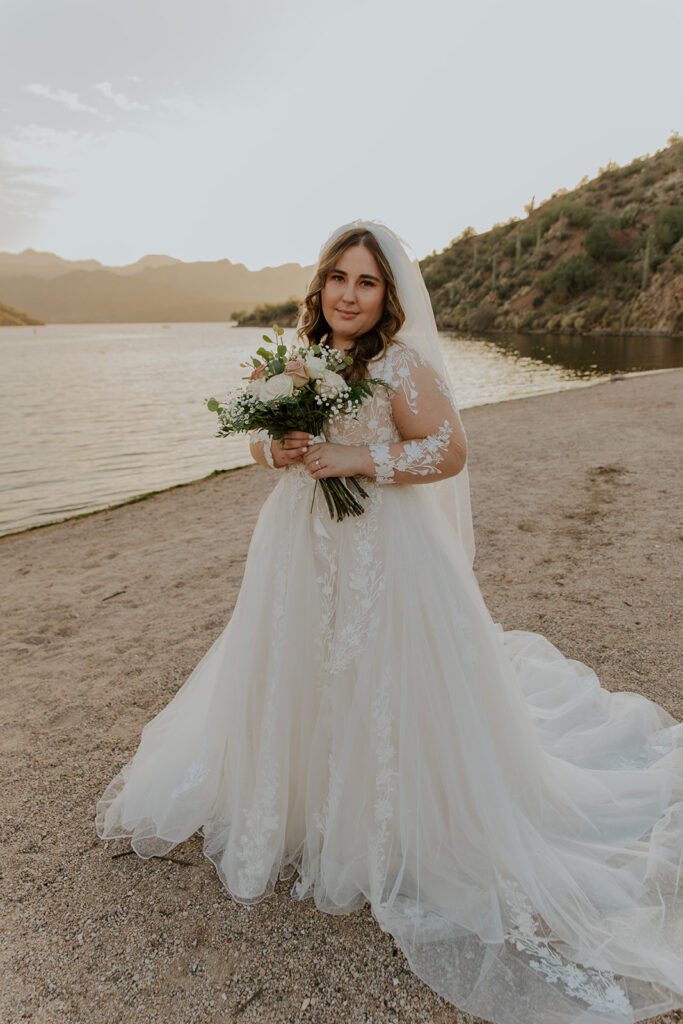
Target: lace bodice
(414, 431)
(374, 421)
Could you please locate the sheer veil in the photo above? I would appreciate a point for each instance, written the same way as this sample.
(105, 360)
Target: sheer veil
(420, 332)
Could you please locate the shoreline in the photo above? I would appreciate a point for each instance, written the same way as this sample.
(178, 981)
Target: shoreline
(597, 332)
(144, 495)
(576, 517)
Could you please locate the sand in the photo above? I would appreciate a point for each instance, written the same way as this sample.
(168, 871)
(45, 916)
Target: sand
(577, 525)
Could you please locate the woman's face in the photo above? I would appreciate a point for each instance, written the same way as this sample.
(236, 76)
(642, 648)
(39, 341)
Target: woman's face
(353, 295)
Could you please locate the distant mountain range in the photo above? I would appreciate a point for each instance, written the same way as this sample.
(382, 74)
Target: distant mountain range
(154, 289)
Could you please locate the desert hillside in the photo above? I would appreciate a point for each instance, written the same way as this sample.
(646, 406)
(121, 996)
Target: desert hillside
(606, 256)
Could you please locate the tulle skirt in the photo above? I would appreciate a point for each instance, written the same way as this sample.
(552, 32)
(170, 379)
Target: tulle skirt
(363, 724)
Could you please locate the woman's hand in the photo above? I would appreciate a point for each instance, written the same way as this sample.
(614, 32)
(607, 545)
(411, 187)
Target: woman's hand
(333, 459)
(294, 445)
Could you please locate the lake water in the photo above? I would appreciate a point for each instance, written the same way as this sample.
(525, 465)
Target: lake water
(91, 414)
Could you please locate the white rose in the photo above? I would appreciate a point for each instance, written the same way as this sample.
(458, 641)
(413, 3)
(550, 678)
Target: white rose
(330, 384)
(280, 385)
(315, 365)
(254, 387)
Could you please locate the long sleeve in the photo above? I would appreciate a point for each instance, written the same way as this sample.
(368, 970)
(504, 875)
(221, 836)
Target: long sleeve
(261, 441)
(435, 446)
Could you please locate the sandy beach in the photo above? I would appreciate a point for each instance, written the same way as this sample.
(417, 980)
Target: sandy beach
(576, 500)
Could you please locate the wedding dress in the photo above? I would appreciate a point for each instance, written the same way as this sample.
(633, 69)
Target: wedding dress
(363, 723)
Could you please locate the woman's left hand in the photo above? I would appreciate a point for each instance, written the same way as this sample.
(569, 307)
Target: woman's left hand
(334, 459)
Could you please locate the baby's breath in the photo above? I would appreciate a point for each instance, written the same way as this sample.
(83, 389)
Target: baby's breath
(307, 407)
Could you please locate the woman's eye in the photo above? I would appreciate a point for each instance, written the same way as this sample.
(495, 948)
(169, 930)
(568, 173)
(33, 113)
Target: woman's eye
(338, 277)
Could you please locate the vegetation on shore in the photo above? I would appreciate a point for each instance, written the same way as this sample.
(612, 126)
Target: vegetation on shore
(286, 314)
(11, 317)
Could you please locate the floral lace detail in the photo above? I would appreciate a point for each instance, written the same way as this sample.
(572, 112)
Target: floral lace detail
(263, 435)
(262, 819)
(400, 360)
(423, 457)
(327, 557)
(599, 989)
(332, 798)
(446, 391)
(384, 466)
(367, 580)
(385, 783)
(197, 771)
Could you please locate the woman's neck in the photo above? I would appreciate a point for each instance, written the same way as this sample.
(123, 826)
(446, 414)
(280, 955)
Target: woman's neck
(342, 345)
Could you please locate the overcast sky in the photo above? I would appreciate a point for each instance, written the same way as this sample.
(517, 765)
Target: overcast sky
(249, 130)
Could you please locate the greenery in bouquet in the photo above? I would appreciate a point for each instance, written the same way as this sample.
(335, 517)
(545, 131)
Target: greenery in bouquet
(297, 389)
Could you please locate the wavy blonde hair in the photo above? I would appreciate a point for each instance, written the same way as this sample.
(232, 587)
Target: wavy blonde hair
(375, 341)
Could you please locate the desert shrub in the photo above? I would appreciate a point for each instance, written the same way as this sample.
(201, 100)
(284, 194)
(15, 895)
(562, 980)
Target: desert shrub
(596, 309)
(599, 242)
(579, 215)
(538, 300)
(483, 318)
(505, 289)
(572, 275)
(633, 168)
(629, 216)
(668, 225)
(543, 257)
(524, 278)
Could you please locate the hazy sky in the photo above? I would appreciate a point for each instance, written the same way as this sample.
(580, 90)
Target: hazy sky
(249, 130)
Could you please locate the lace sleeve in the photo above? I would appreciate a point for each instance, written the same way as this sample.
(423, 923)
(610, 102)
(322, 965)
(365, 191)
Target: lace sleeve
(435, 446)
(263, 438)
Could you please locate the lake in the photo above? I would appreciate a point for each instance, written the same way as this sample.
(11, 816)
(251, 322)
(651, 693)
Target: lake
(92, 414)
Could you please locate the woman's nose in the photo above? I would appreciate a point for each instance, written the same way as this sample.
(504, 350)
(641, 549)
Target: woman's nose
(349, 292)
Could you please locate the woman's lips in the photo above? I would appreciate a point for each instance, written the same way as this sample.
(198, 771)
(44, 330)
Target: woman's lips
(345, 313)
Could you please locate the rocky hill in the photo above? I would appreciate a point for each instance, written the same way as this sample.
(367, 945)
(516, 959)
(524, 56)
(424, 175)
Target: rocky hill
(607, 256)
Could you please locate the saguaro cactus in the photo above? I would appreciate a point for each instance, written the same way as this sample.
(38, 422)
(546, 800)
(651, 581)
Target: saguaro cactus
(647, 259)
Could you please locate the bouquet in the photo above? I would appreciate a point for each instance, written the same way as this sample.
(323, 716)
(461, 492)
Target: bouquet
(297, 389)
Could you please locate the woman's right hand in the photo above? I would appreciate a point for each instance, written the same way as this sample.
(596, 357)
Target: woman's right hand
(295, 443)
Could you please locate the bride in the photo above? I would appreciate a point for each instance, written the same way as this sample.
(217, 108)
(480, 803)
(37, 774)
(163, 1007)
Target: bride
(363, 724)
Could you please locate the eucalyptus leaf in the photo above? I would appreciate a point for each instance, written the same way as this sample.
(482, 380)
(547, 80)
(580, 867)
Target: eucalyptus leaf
(212, 405)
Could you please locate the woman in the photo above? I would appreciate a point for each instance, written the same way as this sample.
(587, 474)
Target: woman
(363, 722)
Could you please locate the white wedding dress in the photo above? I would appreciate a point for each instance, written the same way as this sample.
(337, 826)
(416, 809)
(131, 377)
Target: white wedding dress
(517, 828)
